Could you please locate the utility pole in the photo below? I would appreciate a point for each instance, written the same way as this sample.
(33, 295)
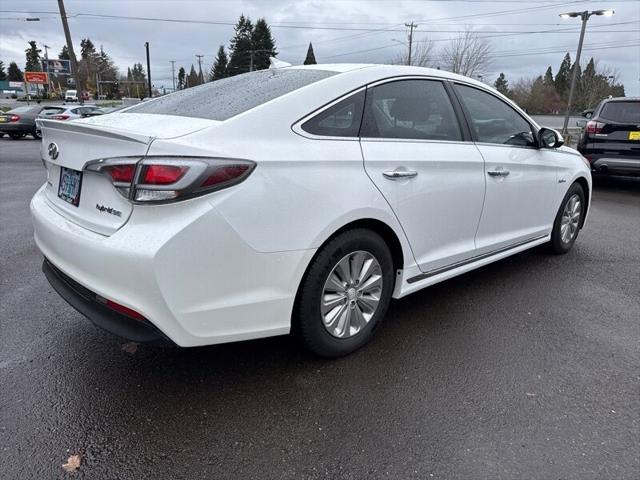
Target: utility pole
(146, 46)
(411, 26)
(199, 57)
(173, 73)
(72, 55)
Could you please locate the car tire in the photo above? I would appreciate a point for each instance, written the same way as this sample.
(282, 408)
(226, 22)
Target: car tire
(37, 134)
(16, 136)
(568, 222)
(337, 311)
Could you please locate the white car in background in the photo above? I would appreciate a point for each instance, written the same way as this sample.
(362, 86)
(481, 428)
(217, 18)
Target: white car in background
(67, 112)
(299, 199)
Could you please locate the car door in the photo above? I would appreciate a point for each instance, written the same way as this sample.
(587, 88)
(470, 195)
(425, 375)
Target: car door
(417, 154)
(521, 178)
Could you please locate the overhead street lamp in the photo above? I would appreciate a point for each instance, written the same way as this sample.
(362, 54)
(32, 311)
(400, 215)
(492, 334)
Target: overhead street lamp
(585, 17)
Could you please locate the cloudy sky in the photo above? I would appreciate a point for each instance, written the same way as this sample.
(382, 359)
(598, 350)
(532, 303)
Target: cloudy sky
(526, 37)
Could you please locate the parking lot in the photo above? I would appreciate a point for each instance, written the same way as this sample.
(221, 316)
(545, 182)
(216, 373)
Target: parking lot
(527, 368)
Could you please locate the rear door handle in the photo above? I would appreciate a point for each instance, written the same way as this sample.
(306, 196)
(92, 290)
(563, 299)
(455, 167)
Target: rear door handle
(399, 173)
(498, 172)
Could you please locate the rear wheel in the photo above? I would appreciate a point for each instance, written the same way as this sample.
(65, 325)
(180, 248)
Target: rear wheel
(568, 220)
(36, 133)
(345, 293)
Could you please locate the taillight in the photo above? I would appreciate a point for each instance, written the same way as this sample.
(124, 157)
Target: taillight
(165, 179)
(593, 127)
(162, 174)
(121, 308)
(60, 117)
(14, 118)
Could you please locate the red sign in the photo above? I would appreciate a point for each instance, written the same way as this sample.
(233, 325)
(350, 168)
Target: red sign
(36, 77)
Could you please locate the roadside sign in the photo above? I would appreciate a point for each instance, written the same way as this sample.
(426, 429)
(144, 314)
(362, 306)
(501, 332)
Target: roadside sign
(16, 84)
(36, 77)
(57, 66)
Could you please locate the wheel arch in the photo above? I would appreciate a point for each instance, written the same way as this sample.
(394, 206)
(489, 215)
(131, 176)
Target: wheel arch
(587, 196)
(387, 233)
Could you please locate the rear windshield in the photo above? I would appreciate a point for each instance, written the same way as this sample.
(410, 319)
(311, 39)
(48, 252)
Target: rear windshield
(229, 97)
(51, 110)
(22, 109)
(623, 112)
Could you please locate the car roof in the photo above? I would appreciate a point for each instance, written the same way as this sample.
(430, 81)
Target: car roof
(622, 99)
(384, 70)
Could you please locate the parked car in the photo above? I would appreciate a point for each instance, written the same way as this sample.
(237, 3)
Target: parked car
(71, 96)
(610, 139)
(297, 199)
(20, 122)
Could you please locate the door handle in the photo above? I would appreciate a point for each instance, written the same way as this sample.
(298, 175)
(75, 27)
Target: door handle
(398, 174)
(498, 172)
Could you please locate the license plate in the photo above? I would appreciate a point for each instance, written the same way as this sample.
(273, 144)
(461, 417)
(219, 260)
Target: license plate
(3, 119)
(634, 135)
(69, 186)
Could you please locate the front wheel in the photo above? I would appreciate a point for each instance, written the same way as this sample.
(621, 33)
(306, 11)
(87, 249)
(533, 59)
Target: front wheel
(568, 220)
(345, 293)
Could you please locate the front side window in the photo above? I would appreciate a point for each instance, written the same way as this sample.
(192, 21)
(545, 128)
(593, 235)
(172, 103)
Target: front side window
(493, 120)
(339, 120)
(410, 109)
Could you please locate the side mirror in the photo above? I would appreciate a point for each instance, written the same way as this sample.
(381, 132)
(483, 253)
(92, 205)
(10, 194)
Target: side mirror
(587, 113)
(550, 138)
(581, 123)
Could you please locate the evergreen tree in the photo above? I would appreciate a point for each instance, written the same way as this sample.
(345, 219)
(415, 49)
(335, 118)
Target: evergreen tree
(181, 78)
(33, 58)
(193, 79)
(501, 84)
(14, 73)
(219, 69)
(87, 49)
(311, 57)
(3, 74)
(262, 44)
(241, 47)
(563, 77)
(64, 53)
(548, 77)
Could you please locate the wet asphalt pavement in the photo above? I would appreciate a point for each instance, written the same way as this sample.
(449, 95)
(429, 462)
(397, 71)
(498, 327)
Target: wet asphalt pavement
(528, 368)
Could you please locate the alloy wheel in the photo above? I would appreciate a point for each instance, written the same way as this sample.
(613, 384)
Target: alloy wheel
(570, 222)
(351, 294)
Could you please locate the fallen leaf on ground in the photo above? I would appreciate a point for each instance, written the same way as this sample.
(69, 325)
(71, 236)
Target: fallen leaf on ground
(73, 463)
(130, 347)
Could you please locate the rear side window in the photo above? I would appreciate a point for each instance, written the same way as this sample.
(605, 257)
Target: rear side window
(340, 120)
(226, 98)
(410, 109)
(622, 112)
(493, 120)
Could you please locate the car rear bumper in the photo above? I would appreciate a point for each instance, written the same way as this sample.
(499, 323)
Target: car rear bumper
(614, 165)
(16, 128)
(182, 267)
(87, 303)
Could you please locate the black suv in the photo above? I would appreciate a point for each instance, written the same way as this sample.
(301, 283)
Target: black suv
(611, 137)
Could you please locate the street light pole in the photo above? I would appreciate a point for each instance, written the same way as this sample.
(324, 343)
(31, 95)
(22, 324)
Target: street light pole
(585, 17)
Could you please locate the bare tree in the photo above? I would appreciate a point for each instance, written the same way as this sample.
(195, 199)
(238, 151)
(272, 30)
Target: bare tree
(468, 54)
(421, 54)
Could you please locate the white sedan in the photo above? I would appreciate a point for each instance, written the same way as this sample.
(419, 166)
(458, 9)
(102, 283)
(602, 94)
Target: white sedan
(297, 199)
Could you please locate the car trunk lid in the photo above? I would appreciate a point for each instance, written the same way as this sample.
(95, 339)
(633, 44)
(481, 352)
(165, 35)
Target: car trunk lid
(87, 198)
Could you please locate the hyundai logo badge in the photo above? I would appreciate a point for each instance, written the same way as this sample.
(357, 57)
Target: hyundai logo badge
(53, 151)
